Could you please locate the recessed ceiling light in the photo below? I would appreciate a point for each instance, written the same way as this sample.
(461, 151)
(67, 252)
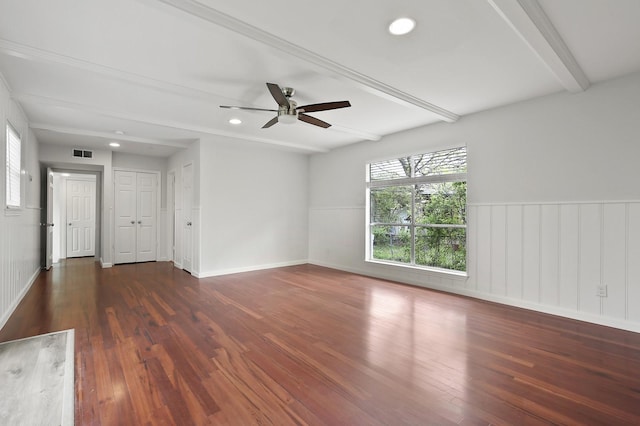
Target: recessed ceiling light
(235, 121)
(65, 174)
(114, 144)
(402, 26)
(119, 132)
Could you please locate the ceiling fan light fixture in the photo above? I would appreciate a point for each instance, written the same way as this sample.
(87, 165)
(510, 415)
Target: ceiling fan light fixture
(287, 118)
(402, 26)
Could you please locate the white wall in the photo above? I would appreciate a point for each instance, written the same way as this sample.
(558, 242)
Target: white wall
(254, 200)
(19, 233)
(553, 203)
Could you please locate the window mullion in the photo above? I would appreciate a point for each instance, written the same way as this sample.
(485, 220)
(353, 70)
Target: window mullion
(412, 226)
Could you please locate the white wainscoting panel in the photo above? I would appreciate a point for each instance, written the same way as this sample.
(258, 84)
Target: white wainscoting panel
(484, 243)
(568, 257)
(514, 251)
(614, 259)
(633, 262)
(549, 253)
(20, 258)
(556, 255)
(531, 253)
(498, 250)
(590, 253)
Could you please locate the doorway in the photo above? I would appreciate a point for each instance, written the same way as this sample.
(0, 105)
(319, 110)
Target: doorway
(80, 216)
(55, 216)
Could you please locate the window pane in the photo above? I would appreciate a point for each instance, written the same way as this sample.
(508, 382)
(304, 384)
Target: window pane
(391, 243)
(391, 169)
(441, 247)
(441, 162)
(391, 205)
(12, 173)
(441, 203)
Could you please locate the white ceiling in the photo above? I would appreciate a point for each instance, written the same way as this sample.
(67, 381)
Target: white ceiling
(159, 69)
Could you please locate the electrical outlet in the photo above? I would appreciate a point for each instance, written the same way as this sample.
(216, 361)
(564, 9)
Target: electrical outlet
(601, 291)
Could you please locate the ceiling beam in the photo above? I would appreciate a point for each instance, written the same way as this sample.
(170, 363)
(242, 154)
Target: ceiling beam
(109, 136)
(359, 133)
(531, 23)
(206, 13)
(34, 54)
(198, 130)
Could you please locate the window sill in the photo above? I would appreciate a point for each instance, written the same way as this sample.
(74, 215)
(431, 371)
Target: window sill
(461, 275)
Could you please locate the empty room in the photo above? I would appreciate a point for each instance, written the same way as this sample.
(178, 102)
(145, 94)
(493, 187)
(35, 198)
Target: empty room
(359, 213)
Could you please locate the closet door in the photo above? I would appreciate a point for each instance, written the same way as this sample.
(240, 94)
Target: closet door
(136, 216)
(147, 185)
(125, 207)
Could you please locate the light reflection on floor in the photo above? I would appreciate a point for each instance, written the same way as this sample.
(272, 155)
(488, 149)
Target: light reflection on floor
(417, 342)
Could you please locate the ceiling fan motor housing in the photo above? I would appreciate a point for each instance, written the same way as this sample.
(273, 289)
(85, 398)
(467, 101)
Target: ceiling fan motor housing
(288, 115)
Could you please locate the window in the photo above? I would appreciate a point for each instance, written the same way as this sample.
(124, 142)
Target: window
(417, 210)
(13, 159)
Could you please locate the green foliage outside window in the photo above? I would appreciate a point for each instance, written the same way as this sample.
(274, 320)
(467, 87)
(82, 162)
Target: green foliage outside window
(435, 211)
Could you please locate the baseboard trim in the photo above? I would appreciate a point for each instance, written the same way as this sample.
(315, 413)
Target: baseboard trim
(105, 264)
(532, 306)
(249, 268)
(18, 299)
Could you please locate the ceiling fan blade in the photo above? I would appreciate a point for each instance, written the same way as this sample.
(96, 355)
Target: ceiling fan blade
(312, 120)
(247, 108)
(271, 122)
(277, 94)
(324, 106)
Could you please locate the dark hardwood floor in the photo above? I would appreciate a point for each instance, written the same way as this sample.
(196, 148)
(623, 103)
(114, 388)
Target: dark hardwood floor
(310, 345)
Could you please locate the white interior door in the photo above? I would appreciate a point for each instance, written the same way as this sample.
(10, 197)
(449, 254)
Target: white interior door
(48, 224)
(125, 217)
(146, 232)
(187, 220)
(81, 218)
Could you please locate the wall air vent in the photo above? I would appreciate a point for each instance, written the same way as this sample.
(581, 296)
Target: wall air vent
(81, 153)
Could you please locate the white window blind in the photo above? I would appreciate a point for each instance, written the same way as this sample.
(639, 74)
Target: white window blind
(13, 169)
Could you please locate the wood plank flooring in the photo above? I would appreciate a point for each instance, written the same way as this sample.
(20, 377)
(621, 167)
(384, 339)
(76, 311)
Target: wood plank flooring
(310, 345)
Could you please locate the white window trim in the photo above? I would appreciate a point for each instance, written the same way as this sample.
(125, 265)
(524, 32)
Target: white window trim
(13, 209)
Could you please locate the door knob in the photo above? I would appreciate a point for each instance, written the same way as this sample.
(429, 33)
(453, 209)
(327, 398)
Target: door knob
(188, 223)
(133, 222)
(139, 222)
(69, 224)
